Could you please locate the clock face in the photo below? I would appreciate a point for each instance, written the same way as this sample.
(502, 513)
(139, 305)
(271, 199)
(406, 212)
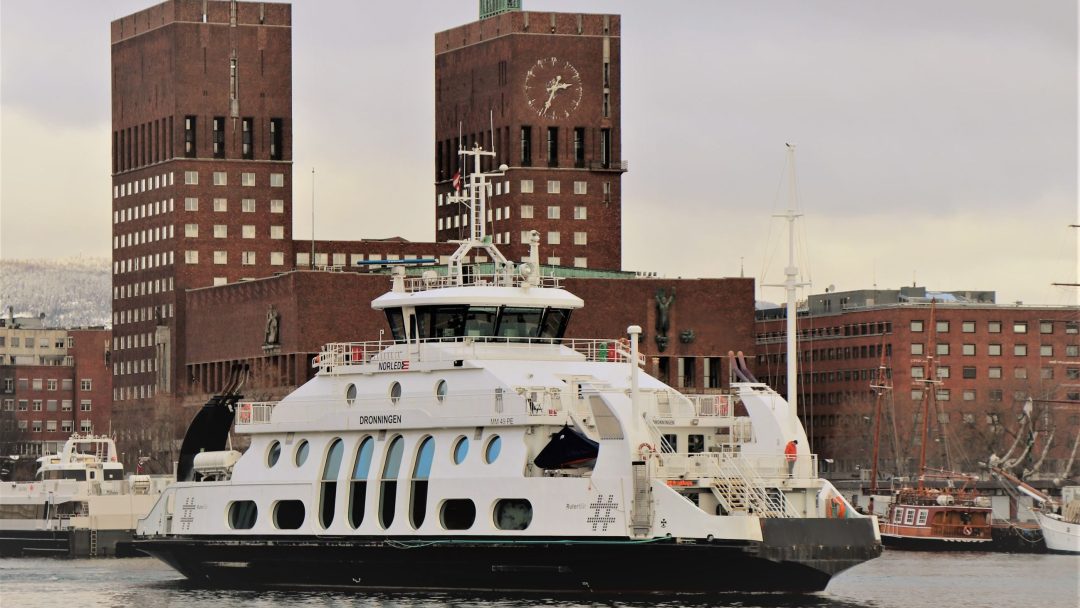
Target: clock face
(553, 88)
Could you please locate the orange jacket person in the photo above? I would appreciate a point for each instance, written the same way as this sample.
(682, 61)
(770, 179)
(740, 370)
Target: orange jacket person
(790, 452)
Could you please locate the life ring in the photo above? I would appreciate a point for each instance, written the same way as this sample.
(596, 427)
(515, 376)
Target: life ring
(967, 530)
(645, 449)
(837, 508)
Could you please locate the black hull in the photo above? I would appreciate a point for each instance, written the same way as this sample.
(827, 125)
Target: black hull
(67, 543)
(35, 543)
(571, 566)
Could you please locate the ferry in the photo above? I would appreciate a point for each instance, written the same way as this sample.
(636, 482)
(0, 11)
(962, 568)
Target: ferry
(482, 450)
(80, 504)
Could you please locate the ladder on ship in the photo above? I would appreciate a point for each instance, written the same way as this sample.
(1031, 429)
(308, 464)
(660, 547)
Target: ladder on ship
(641, 519)
(739, 488)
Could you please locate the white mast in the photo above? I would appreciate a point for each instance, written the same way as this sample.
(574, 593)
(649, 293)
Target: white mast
(790, 285)
(475, 198)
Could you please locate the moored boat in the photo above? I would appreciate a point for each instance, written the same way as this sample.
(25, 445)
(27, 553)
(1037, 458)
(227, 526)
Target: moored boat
(79, 504)
(481, 449)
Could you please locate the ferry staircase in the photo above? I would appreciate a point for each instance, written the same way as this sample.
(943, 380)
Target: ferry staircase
(740, 489)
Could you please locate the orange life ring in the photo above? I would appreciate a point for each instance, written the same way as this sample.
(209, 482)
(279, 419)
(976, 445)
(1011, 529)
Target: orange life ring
(646, 448)
(967, 530)
(837, 508)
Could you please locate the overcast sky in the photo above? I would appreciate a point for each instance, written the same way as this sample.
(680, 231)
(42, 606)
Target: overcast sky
(937, 140)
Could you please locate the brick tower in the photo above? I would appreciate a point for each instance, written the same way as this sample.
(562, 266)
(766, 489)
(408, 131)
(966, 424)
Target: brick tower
(202, 174)
(543, 89)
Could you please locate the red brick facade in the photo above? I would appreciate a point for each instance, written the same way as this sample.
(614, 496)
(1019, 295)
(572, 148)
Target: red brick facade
(995, 358)
(494, 73)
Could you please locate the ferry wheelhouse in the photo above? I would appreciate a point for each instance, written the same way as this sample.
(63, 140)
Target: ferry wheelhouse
(481, 449)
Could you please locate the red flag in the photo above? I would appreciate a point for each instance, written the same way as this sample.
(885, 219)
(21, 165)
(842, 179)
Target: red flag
(457, 181)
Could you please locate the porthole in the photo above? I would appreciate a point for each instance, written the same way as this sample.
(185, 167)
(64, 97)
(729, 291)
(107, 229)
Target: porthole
(491, 452)
(440, 391)
(461, 449)
(300, 457)
(395, 393)
(350, 394)
(513, 514)
(243, 514)
(289, 514)
(457, 514)
(273, 454)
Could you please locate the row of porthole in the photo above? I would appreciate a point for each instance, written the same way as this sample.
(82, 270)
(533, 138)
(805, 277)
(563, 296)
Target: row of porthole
(395, 392)
(460, 450)
(454, 514)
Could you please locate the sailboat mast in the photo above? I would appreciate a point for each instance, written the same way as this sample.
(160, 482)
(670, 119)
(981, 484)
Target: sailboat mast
(929, 382)
(790, 273)
(881, 387)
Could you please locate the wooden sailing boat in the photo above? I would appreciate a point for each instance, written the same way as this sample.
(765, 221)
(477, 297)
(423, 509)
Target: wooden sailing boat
(941, 516)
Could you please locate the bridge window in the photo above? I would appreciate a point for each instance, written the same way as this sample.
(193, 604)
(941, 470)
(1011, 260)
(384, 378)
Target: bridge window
(494, 446)
(513, 514)
(300, 457)
(480, 321)
(397, 323)
(273, 454)
(461, 449)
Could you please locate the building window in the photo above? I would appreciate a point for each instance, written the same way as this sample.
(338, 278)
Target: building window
(86, 384)
(23, 405)
(554, 186)
(36, 426)
(553, 212)
(247, 258)
(917, 372)
(916, 326)
(65, 405)
(916, 348)
(221, 231)
(85, 405)
(943, 371)
(1020, 373)
(993, 372)
(247, 231)
(1072, 373)
(969, 373)
(221, 257)
(277, 258)
(191, 204)
(218, 281)
(581, 262)
(553, 146)
(221, 179)
(191, 178)
(579, 147)
(37, 405)
(1046, 350)
(605, 148)
(994, 350)
(1020, 327)
(580, 212)
(219, 141)
(943, 395)
(247, 179)
(85, 426)
(1020, 350)
(526, 186)
(968, 349)
(247, 205)
(580, 238)
(1072, 350)
(554, 261)
(221, 205)
(277, 205)
(277, 180)
(1072, 328)
(1046, 327)
(191, 230)
(303, 258)
(191, 257)
(942, 349)
(66, 426)
(993, 327)
(526, 147)
(968, 327)
(527, 212)
(247, 138)
(553, 238)
(189, 136)
(942, 327)
(277, 232)
(276, 138)
(1046, 373)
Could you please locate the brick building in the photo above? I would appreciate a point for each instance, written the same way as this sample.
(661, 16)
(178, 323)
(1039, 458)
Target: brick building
(227, 325)
(543, 91)
(988, 358)
(53, 382)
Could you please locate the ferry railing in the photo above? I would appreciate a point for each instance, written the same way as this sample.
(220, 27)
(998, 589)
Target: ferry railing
(337, 354)
(414, 284)
(734, 480)
(254, 412)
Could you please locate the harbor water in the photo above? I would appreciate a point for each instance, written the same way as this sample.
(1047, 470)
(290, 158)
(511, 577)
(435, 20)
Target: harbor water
(895, 580)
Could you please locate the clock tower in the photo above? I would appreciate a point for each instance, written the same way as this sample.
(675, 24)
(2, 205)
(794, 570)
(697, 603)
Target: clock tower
(542, 90)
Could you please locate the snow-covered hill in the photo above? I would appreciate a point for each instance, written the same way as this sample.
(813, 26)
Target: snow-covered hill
(72, 292)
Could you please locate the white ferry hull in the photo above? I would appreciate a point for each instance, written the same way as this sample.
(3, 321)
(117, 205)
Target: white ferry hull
(797, 556)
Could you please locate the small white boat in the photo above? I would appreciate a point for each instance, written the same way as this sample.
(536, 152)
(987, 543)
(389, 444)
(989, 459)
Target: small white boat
(1060, 523)
(79, 503)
